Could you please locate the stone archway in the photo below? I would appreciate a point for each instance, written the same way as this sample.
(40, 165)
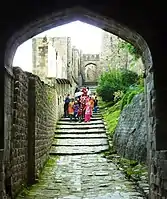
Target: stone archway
(91, 74)
(55, 19)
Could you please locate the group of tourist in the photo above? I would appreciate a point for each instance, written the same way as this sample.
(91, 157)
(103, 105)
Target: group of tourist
(81, 107)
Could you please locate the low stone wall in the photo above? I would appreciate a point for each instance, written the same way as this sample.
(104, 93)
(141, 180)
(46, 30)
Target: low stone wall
(130, 137)
(19, 139)
(2, 175)
(45, 120)
(36, 109)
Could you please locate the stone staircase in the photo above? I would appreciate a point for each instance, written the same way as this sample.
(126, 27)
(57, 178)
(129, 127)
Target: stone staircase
(74, 138)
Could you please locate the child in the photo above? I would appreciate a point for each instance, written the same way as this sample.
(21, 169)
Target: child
(76, 107)
(80, 113)
(71, 109)
(95, 104)
(92, 105)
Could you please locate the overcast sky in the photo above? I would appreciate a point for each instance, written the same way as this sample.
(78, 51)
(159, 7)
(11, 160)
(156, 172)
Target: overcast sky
(84, 36)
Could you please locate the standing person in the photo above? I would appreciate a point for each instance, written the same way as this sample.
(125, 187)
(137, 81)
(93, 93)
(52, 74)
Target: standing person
(76, 108)
(80, 113)
(95, 104)
(71, 109)
(88, 111)
(66, 103)
(83, 101)
(92, 105)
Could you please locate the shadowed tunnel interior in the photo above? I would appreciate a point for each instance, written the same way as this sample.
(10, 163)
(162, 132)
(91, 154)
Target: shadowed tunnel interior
(134, 22)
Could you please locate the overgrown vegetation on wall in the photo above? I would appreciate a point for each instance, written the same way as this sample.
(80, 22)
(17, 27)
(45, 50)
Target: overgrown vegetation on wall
(117, 89)
(116, 82)
(130, 48)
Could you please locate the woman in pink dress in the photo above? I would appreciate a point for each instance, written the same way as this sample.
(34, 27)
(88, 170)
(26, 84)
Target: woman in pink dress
(88, 111)
(83, 101)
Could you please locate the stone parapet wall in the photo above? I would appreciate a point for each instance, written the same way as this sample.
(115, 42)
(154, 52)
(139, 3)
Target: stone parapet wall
(2, 175)
(36, 109)
(19, 139)
(45, 121)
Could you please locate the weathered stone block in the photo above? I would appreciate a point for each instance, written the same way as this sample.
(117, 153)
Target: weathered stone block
(130, 137)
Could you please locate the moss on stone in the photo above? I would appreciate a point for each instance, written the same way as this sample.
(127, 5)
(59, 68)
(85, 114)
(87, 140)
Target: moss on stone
(129, 95)
(111, 115)
(131, 168)
(27, 190)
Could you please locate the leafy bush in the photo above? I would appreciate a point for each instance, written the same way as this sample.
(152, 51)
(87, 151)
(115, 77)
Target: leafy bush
(115, 80)
(128, 96)
(111, 112)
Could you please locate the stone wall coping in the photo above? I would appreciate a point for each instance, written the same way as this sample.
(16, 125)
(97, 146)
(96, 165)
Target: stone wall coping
(62, 81)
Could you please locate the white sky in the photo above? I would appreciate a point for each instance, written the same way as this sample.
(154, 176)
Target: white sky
(84, 36)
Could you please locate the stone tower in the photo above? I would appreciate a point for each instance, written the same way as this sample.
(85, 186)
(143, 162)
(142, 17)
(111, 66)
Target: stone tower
(106, 44)
(54, 57)
(40, 57)
(106, 49)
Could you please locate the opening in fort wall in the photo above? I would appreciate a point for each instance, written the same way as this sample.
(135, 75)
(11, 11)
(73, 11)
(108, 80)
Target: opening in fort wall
(89, 17)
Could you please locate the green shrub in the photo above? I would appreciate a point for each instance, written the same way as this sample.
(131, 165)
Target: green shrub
(115, 80)
(111, 112)
(129, 95)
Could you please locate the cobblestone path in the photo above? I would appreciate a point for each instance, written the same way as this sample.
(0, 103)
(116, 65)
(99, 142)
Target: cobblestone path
(80, 171)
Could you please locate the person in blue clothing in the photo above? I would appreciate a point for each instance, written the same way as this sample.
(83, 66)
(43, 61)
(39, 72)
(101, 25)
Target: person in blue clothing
(66, 103)
(76, 108)
(95, 104)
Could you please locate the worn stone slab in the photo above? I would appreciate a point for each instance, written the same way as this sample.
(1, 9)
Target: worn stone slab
(77, 123)
(83, 131)
(92, 119)
(83, 177)
(80, 136)
(97, 114)
(81, 126)
(65, 150)
(80, 142)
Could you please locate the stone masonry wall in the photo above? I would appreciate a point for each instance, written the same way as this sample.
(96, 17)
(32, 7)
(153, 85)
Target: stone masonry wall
(45, 121)
(35, 113)
(115, 57)
(2, 175)
(19, 140)
(130, 137)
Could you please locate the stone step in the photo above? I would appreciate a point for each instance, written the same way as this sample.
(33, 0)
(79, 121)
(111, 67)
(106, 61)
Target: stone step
(97, 115)
(80, 131)
(76, 122)
(81, 136)
(81, 126)
(92, 119)
(80, 142)
(77, 150)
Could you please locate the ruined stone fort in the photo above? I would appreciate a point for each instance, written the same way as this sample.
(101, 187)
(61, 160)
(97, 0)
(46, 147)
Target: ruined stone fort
(56, 57)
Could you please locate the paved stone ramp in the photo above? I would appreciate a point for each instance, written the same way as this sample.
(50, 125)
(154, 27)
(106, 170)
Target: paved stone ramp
(79, 170)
